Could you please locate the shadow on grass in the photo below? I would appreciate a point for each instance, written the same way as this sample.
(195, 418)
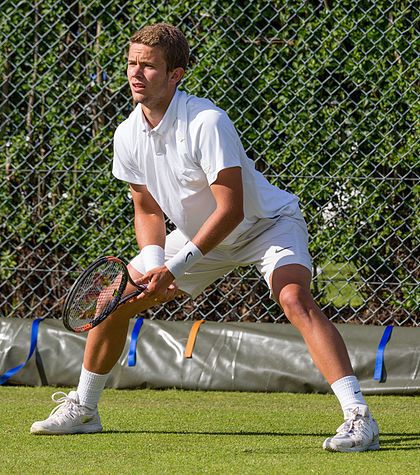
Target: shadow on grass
(191, 432)
(398, 438)
(394, 449)
(409, 435)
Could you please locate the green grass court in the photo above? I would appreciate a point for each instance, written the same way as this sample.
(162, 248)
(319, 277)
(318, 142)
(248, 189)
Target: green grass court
(173, 431)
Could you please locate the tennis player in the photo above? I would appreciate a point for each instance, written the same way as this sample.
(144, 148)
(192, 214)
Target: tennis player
(182, 158)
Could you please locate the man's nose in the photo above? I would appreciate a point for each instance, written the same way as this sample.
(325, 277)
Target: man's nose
(137, 70)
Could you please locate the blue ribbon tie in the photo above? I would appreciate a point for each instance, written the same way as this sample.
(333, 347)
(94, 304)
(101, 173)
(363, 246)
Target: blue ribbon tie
(133, 342)
(379, 364)
(34, 337)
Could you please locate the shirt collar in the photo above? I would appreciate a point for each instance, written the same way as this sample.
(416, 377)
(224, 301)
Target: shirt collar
(168, 119)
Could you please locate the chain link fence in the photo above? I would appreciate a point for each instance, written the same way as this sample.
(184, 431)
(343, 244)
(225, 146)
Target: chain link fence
(324, 95)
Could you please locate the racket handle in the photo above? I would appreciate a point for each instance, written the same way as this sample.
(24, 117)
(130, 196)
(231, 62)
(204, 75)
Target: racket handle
(126, 298)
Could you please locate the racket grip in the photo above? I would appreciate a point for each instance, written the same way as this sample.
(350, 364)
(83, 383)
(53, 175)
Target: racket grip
(128, 297)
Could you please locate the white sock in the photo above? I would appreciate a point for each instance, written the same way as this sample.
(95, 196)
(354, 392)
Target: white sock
(90, 388)
(348, 393)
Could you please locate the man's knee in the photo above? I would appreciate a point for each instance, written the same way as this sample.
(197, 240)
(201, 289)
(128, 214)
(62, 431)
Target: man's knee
(289, 284)
(295, 300)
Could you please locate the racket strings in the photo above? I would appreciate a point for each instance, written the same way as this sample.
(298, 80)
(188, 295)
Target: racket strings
(96, 292)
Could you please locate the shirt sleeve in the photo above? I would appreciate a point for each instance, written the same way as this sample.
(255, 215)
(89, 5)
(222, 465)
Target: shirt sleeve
(124, 165)
(219, 146)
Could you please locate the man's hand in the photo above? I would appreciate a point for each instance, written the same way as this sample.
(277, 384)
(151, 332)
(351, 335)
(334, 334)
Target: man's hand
(160, 285)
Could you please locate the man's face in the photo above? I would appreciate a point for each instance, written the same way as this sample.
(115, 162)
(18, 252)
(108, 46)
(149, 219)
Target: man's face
(150, 82)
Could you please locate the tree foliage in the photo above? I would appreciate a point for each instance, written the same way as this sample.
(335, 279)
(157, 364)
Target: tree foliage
(323, 94)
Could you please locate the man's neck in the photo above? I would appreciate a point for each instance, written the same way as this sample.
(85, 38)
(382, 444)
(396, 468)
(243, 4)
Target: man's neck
(154, 114)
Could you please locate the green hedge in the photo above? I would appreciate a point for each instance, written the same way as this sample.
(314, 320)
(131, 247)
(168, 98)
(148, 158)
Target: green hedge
(323, 94)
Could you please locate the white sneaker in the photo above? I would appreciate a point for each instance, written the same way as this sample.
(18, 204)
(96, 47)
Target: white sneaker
(359, 432)
(69, 417)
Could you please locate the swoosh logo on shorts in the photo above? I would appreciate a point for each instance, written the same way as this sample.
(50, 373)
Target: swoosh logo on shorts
(282, 249)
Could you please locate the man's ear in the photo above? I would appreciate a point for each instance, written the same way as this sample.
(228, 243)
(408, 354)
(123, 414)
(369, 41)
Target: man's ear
(177, 74)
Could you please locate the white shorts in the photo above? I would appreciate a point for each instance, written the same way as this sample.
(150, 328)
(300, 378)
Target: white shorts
(269, 244)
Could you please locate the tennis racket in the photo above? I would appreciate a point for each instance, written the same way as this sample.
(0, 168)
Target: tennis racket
(96, 293)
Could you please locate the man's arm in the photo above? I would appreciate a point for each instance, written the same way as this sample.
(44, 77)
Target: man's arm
(228, 194)
(149, 222)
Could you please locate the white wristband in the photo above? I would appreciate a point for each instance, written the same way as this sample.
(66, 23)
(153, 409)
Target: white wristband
(183, 259)
(153, 256)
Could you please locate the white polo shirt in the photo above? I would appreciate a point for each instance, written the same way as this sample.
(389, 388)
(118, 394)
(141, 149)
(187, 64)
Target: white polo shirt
(181, 157)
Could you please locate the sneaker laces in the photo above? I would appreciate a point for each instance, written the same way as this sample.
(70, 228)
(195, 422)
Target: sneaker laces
(66, 406)
(352, 423)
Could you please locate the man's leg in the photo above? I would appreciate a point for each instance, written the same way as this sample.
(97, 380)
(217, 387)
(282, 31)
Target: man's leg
(105, 344)
(77, 412)
(290, 285)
